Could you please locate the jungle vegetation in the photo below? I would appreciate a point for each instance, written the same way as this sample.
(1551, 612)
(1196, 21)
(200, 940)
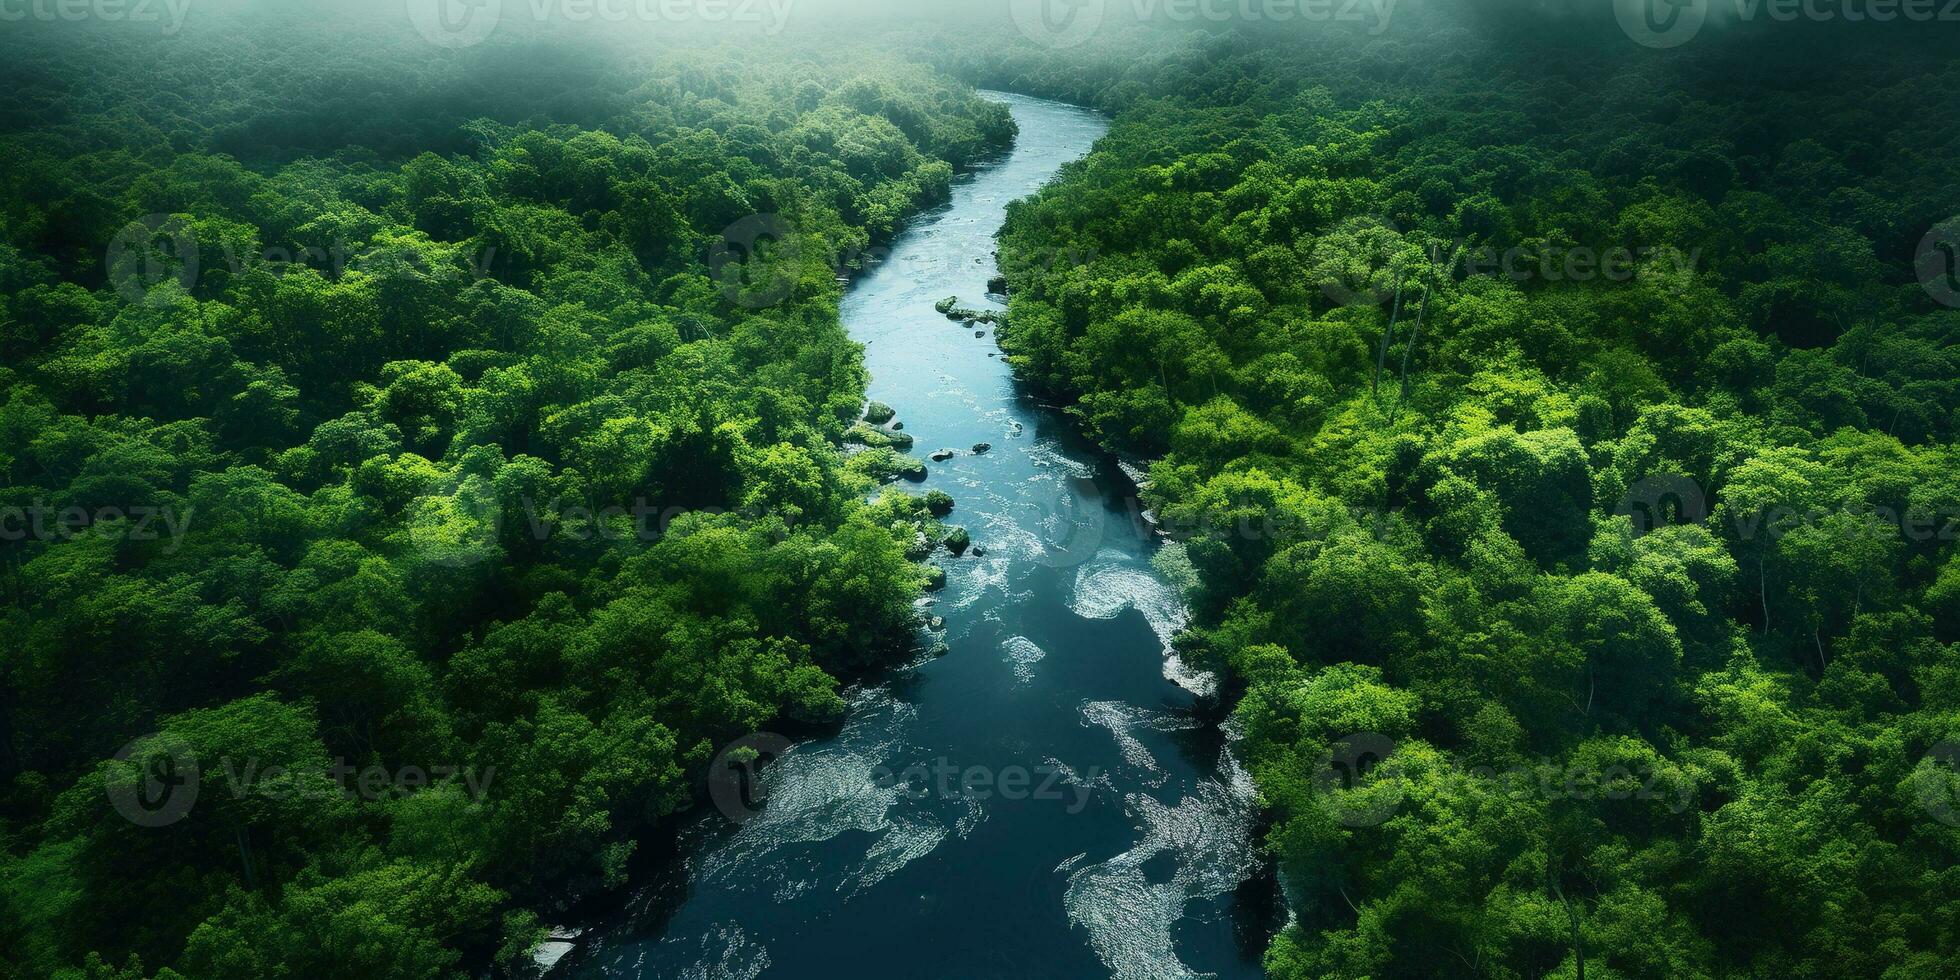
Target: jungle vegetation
(358, 415)
(1558, 448)
(1552, 435)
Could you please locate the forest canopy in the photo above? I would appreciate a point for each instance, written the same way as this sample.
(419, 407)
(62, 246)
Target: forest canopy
(1557, 438)
(433, 475)
(422, 457)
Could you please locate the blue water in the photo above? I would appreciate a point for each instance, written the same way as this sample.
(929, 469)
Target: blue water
(1112, 828)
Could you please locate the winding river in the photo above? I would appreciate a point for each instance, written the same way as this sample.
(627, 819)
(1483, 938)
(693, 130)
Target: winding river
(1042, 801)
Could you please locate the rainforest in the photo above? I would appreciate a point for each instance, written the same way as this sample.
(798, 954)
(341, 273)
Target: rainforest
(982, 488)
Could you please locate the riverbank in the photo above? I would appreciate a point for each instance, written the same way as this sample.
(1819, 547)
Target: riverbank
(1040, 802)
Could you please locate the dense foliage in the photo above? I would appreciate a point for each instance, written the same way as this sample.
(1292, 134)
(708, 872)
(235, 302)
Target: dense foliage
(1641, 577)
(374, 409)
(416, 462)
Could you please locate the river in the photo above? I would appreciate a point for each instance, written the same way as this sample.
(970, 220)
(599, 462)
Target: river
(1042, 801)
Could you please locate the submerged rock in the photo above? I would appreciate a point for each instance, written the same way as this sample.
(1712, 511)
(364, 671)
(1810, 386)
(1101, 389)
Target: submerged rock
(981, 447)
(939, 503)
(919, 547)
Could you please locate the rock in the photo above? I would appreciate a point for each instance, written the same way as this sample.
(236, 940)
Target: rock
(957, 541)
(878, 413)
(979, 333)
(939, 503)
(979, 552)
(936, 623)
(897, 425)
(939, 648)
(981, 447)
(935, 578)
(867, 435)
(876, 438)
(884, 464)
(997, 285)
(940, 455)
(559, 941)
(950, 308)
